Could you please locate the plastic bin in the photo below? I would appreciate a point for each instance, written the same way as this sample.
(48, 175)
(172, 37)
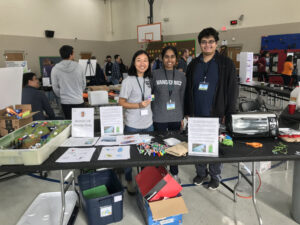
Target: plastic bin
(103, 210)
(46, 209)
(31, 156)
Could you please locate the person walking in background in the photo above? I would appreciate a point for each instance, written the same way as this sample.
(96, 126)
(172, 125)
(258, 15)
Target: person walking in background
(287, 71)
(135, 98)
(68, 81)
(108, 68)
(168, 87)
(116, 77)
(182, 63)
(262, 65)
(99, 78)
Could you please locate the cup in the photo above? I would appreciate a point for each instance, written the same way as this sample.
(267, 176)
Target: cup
(292, 107)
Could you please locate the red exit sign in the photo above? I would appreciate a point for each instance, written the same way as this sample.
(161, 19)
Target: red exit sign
(233, 22)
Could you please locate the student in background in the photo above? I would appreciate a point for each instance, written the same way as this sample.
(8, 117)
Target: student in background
(68, 81)
(108, 68)
(157, 63)
(135, 97)
(36, 98)
(288, 68)
(116, 77)
(182, 63)
(261, 68)
(168, 87)
(99, 78)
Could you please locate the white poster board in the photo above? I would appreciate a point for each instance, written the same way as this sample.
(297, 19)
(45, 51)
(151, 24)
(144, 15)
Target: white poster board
(88, 66)
(10, 86)
(203, 136)
(111, 120)
(46, 82)
(246, 67)
(82, 122)
(22, 64)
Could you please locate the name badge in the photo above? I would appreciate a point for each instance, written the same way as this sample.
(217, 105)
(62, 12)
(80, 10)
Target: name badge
(144, 112)
(203, 86)
(170, 105)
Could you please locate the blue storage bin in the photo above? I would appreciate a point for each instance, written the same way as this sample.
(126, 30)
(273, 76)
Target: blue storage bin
(104, 210)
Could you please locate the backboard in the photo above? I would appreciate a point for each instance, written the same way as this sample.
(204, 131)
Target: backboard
(149, 33)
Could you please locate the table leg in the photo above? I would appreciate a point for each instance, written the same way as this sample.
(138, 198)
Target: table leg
(237, 183)
(70, 179)
(296, 192)
(63, 199)
(254, 194)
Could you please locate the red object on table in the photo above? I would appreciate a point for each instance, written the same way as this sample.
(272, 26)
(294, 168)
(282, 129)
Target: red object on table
(292, 108)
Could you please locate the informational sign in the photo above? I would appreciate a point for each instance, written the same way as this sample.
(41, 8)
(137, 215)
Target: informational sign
(203, 136)
(22, 64)
(115, 153)
(111, 120)
(76, 155)
(88, 66)
(246, 66)
(83, 122)
(10, 86)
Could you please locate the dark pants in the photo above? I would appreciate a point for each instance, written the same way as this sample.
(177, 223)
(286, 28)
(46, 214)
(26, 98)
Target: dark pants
(128, 171)
(166, 127)
(286, 79)
(67, 109)
(214, 170)
(263, 76)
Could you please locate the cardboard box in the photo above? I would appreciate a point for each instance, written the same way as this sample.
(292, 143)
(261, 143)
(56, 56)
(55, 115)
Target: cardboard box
(168, 211)
(156, 183)
(10, 124)
(98, 88)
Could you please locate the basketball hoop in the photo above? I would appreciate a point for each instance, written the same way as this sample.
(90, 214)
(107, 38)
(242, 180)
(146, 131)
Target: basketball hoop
(149, 33)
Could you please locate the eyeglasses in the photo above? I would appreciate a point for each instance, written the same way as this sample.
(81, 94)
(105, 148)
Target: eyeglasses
(207, 42)
(170, 56)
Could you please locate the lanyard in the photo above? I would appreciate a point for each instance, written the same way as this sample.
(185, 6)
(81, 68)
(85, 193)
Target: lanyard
(170, 88)
(206, 71)
(142, 90)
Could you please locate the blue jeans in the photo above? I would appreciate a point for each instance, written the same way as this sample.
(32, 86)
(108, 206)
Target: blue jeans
(128, 171)
(115, 81)
(214, 170)
(166, 127)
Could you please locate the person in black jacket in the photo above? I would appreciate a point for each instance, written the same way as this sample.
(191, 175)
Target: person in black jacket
(37, 99)
(99, 78)
(216, 73)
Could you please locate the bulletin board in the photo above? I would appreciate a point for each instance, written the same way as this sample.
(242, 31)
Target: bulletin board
(54, 59)
(155, 48)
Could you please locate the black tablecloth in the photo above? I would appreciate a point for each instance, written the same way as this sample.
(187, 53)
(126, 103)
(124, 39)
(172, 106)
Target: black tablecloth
(239, 153)
(288, 120)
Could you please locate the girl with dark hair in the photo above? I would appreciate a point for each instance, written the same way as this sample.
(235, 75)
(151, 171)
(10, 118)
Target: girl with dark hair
(135, 97)
(287, 70)
(168, 86)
